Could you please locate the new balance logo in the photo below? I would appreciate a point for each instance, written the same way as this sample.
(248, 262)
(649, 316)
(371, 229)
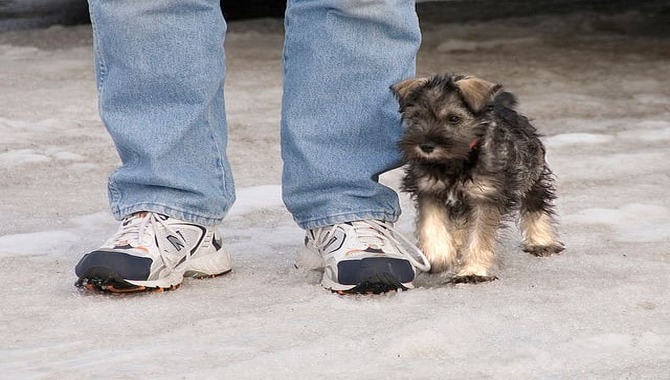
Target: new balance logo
(176, 242)
(338, 238)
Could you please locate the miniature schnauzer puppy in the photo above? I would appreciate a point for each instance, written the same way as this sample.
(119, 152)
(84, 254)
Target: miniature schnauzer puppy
(472, 162)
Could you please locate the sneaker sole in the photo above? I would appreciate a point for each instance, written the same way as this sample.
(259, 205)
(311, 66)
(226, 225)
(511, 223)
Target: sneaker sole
(212, 265)
(117, 286)
(106, 280)
(377, 284)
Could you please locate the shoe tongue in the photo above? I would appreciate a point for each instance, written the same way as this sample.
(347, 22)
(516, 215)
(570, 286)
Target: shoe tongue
(132, 234)
(369, 236)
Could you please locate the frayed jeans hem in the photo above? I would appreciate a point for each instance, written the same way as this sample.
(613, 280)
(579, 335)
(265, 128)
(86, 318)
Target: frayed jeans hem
(347, 217)
(173, 212)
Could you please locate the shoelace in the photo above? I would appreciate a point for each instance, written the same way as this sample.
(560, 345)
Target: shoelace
(376, 233)
(134, 231)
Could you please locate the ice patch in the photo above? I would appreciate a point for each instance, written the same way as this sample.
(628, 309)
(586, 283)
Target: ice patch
(18, 52)
(23, 132)
(576, 139)
(256, 197)
(28, 156)
(645, 130)
(650, 135)
(21, 156)
(37, 243)
(633, 213)
(635, 222)
(454, 45)
(61, 154)
(596, 167)
(653, 124)
(99, 218)
(651, 99)
(6, 124)
(647, 233)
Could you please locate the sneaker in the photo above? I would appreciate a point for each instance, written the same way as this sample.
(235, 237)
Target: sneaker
(152, 251)
(365, 257)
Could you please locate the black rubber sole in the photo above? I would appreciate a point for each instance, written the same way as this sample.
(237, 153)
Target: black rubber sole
(105, 280)
(378, 284)
(114, 285)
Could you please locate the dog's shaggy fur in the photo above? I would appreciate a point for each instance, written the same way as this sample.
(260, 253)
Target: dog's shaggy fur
(472, 161)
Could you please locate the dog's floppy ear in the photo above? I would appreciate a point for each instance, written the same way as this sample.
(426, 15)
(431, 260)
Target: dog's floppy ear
(405, 88)
(477, 93)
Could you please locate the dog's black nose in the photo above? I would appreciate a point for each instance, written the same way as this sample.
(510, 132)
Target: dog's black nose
(427, 147)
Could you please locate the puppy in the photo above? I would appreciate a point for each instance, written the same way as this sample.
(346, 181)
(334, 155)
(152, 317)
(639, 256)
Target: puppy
(473, 162)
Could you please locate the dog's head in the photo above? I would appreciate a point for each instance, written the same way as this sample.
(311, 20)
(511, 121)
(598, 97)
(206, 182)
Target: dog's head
(445, 116)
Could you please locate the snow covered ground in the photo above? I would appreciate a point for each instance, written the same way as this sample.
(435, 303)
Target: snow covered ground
(597, 87)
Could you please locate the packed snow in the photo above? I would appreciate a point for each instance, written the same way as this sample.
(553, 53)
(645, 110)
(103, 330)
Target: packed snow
(596, 87)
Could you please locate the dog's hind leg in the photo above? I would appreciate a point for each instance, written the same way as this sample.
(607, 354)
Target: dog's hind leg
(537, 218)
(435, 239)
(478, 255)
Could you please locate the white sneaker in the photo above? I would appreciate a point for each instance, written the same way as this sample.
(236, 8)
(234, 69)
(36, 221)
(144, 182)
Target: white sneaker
(365, 257)
(151, 251)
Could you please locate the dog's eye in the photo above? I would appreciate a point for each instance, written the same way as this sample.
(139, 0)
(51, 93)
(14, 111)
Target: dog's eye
(454, 119)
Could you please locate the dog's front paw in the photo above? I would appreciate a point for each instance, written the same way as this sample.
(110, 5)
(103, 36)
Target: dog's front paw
(471, 279)
(544, 250)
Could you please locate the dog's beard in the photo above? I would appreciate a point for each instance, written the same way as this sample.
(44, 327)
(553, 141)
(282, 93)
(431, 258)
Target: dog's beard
(414, 150)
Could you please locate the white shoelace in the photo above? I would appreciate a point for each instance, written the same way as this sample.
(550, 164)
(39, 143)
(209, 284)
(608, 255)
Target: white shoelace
(134, 231)
(376, 233)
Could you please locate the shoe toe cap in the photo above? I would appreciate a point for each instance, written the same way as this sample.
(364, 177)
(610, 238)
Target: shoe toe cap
(353, 272)
(114, 264)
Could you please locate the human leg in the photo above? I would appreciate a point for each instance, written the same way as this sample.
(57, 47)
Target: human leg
(160, 68)
(340, 123)
(340, 127)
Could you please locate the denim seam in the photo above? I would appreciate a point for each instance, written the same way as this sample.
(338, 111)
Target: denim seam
(218, 162)
(113, 193)
(100, 61)
(221, 155)
(285, 54)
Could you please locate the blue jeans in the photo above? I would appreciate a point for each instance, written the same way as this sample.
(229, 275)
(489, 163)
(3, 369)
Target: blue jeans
(160, 69)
